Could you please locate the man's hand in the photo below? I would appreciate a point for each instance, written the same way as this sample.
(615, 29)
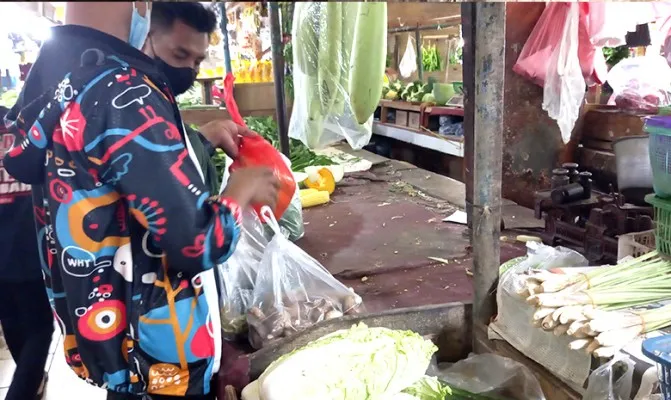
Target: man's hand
(225, 135)
(253, 185)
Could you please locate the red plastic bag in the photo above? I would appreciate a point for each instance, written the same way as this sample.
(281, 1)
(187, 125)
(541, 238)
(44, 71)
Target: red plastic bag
(257, 152)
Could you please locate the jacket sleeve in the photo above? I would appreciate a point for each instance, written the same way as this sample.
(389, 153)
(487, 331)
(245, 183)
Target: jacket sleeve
(139, 150)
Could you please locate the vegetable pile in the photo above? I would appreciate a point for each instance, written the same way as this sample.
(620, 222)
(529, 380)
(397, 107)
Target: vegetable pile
(413, 92)
(273, 322)
(603, 308)
(353, 364)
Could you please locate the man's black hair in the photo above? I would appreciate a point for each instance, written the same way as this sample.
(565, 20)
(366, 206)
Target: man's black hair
(3, 111)
(194, 14)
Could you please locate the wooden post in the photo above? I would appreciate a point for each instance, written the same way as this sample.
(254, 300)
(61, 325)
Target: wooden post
(490, 19)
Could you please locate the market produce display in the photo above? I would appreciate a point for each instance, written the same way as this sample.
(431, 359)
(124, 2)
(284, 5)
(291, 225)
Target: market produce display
(353, 364)
(603, 308)
(339, 54)
(413, 92)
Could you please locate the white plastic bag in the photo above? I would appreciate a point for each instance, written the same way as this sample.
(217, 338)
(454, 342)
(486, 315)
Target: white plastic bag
(641, 84)
(408, 64)
(611, 381)
(315, 120)
(564, 89)
(293, 291)
(238, 274)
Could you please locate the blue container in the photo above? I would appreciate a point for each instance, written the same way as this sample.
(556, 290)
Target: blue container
(658, 349)
(659, 129)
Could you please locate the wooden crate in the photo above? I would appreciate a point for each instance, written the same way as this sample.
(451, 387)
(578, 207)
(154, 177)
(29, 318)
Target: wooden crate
(414, 120)
(611, 124)
(401, 118)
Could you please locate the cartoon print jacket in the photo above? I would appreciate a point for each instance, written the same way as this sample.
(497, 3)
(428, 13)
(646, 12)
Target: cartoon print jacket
(129, 233)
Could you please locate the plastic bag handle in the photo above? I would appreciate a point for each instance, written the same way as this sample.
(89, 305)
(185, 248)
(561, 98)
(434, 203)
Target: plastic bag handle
(269, 217)
(229, 100)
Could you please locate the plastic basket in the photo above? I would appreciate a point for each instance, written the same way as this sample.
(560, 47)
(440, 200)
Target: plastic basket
(662, 210)
(660, 158)
(658, 350)
(635, 244)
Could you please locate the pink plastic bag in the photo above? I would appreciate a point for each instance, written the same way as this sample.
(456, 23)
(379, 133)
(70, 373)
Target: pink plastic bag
(532, 62)
(546, 36)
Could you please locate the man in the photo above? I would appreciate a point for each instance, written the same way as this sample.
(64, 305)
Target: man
(133, 233)
(25, 314)
(178, 41)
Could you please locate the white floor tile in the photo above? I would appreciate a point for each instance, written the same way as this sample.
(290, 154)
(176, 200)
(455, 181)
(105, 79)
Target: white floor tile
(64, 384)
(7, 368)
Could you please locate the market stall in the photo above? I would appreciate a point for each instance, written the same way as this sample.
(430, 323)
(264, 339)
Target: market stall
(580, 356)
(380, 233)
(393, 263)
(420, 115)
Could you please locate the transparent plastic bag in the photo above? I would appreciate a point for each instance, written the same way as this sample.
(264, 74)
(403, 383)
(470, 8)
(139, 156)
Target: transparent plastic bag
(611, 381)
(238, 274)
(322, 113)
(564, 88)
(291, 223)
(293, 291)
(641, 84)
(493, 375)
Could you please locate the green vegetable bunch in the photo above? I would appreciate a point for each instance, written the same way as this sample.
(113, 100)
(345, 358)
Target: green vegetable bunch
(614, 55)
(415, 91)
(431, 58)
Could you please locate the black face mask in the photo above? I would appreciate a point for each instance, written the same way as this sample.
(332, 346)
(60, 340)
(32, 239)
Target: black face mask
(179, 79)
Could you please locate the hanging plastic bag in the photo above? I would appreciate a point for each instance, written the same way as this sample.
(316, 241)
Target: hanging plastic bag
(324, 111)
(546, 36)
(641, 84)
(611, 381)
(564, 89)
(547, 33)
(238, 274)
(293, 291)
(408, 64)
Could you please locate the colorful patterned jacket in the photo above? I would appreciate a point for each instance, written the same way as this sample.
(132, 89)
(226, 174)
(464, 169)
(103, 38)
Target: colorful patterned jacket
(129, 232)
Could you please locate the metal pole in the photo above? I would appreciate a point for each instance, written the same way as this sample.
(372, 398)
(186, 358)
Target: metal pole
(418, 47)
(224, 31)
(468, 33)
(278, 75)
(487, 163)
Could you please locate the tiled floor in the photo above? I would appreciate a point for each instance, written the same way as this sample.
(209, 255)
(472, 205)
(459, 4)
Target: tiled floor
(63, 384)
